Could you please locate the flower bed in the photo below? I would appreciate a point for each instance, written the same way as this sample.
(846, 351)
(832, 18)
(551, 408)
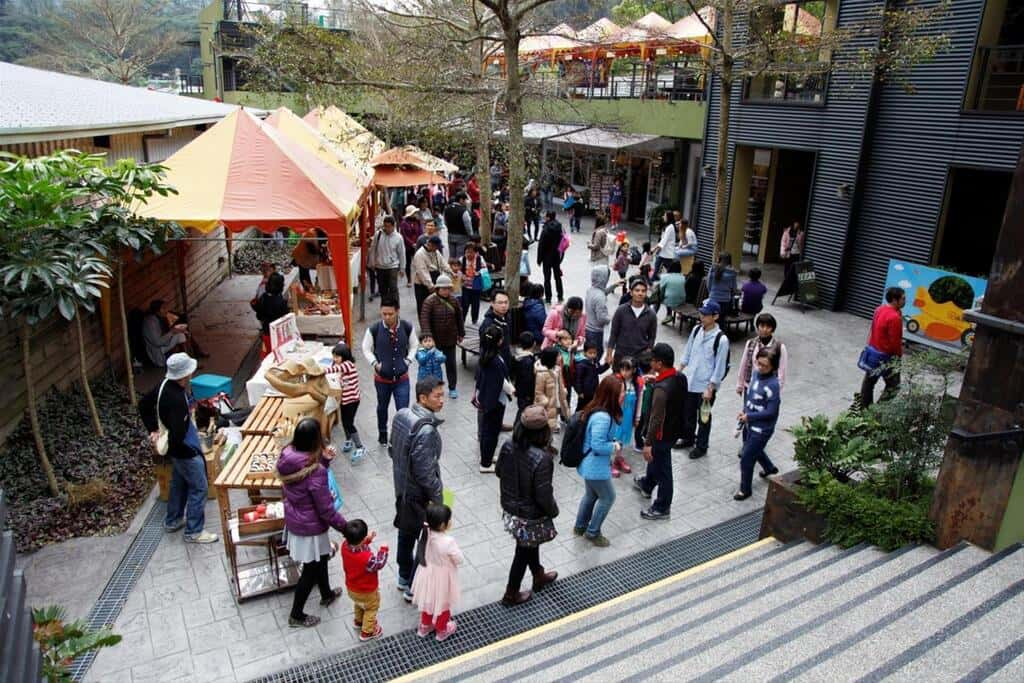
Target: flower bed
(104, 479)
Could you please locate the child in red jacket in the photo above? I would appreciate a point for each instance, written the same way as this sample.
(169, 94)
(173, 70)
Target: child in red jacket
(361, 566)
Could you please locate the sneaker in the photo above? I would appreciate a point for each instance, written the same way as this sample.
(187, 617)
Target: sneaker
(402, 586)
(377, 633)
(764, 474)
(407, 595)
(578, 531)
(599, 541)
(382, 439)
(202, 537)
(615, 472)
(424, 630)
(651, 513)
(487, 470)
(448, 630)
(638, 484)
(306, 621)
(358, 454)
(177, 526)
(454, 393)
(347, 446)
(697, 453)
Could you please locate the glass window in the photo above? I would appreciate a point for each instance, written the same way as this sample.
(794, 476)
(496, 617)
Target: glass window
(787, 42)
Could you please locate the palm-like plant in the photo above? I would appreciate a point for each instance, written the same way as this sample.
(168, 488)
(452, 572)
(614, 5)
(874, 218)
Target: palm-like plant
(62, 642)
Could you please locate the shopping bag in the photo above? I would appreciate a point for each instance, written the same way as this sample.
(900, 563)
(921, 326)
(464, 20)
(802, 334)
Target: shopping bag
(563, 244)
(332, 484)
(485, 280)
(448, 497)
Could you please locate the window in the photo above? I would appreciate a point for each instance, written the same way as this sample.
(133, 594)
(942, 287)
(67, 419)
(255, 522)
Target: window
(101, 141)
(787, 46)
(997, 74)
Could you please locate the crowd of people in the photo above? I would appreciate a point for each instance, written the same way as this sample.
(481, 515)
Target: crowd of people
(593, 372)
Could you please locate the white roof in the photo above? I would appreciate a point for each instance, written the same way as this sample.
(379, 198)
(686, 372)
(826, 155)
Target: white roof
(40, 105)
(605, 138)
(534, 132)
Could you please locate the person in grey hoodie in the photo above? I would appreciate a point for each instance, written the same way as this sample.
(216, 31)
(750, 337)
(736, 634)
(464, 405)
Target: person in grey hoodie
(595, 306)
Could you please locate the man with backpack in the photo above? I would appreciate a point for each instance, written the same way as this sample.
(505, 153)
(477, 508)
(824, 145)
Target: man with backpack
(707, 355)
(663, 426)
(388, 346)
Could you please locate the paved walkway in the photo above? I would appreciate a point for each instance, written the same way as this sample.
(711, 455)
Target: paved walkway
(181, 621)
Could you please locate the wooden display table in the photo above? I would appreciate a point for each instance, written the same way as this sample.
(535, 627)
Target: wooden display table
(264, 416)
(275, 571)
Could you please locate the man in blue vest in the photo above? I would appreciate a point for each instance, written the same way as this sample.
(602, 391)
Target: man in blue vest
(389, 346)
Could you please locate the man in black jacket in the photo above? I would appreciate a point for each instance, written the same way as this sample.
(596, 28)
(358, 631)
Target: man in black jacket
(459, 222)
(168, 406)
(634, 325)
(548, 256)
(663, 427)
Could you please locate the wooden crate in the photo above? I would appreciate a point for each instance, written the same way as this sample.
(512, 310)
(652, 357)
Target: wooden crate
(212, 456)
(265, 416)
(259, 526)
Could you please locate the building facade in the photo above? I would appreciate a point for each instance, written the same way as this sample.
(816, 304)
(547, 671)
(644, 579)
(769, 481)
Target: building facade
(871, 170)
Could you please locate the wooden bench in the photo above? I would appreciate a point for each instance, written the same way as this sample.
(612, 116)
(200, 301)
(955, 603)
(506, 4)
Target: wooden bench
(470, 343)
(687, 314)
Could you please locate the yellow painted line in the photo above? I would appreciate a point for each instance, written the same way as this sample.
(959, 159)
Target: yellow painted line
(568, 619)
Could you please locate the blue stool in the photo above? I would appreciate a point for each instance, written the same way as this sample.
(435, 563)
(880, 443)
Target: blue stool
(208, 386)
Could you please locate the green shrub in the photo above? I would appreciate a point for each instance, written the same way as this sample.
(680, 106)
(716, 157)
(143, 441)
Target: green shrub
(859, 513)
(842, 448)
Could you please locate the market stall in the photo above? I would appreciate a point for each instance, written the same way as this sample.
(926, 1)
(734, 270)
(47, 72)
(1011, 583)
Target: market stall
(242, 173)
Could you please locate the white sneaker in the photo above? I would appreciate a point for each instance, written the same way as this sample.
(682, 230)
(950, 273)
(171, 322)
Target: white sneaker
(487, 470)
(202, 537)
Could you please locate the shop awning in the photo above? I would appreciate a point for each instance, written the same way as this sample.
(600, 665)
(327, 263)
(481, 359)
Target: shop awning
(606, 139)
(536, 132)
(402, 167)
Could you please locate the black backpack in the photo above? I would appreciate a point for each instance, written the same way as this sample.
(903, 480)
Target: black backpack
(572, 441)
(635, 255)
(714, 348)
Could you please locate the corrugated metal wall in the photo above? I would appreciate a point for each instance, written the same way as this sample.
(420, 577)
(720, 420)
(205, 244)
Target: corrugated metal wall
(917, 138)
(834, 132)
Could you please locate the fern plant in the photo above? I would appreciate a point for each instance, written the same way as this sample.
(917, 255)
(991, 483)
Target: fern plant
(62, 642)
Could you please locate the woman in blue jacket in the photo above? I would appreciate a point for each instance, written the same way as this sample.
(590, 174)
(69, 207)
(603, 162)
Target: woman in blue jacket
(760, 413)
(534, 313)
(601, 417)
(491, 396)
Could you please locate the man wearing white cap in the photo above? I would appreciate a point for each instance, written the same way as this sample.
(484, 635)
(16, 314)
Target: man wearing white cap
(168, 407)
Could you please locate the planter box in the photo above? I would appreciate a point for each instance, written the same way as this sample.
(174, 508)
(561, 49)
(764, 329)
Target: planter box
(785, 518)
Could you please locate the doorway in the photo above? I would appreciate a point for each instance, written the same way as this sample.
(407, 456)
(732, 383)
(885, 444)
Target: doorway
(636, 203)
(789, 195)
(975, 204)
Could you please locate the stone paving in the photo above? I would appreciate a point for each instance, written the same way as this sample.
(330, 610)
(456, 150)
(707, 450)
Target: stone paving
(182, 623)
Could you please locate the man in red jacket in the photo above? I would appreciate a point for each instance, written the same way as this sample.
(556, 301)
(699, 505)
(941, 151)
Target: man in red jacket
(885, 342)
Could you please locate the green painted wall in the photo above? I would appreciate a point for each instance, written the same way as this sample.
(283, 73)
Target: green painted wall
(208, 18)
(1012, 530)
(267, 100)
(658, 117)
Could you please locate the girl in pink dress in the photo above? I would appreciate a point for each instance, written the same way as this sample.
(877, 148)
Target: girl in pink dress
(436, 585)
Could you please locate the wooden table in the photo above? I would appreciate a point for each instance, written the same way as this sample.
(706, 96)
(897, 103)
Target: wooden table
(276, 571)
(264, 417)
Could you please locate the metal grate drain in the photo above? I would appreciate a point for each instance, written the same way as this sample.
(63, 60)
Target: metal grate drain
(404, 652)
(108, 605)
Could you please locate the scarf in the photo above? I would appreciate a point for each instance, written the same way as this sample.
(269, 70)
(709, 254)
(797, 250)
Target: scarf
(571, 325)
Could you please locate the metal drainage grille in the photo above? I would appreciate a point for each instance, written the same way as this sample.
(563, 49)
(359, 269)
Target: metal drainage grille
(404, 652)
(108, 605)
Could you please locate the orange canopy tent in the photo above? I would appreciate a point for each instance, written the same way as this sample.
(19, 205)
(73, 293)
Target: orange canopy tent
(399, 167)
(242, 173)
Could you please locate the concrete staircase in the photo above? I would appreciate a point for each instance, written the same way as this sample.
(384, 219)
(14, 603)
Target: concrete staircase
(790, 612)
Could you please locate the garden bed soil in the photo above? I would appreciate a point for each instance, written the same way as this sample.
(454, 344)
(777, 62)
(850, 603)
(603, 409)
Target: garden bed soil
(117, 468)
(785, 518)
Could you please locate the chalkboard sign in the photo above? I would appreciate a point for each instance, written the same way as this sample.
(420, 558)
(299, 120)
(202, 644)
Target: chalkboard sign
(807, 282)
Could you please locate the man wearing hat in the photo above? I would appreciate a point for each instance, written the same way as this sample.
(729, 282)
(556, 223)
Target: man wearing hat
(707, 356)
(663, 426)
(170, 407)
(428, 264)
(441, 317)
(411, 229)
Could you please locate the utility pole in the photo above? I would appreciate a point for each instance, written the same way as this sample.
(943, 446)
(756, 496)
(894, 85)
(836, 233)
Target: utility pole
(975, 494)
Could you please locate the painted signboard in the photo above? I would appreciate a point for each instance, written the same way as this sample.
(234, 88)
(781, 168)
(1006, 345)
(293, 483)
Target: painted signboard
(284, 332)
(936, 301)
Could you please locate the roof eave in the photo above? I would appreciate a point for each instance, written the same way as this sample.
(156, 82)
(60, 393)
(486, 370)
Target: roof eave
(14, 136)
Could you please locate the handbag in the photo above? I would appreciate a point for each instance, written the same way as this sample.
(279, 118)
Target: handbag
(163, 439)
(871, 359)
(564, 243)
(529, 532)
(485, 280)
(332, 484)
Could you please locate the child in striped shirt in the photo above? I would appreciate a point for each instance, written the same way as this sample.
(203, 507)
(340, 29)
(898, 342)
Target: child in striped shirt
(345, 365)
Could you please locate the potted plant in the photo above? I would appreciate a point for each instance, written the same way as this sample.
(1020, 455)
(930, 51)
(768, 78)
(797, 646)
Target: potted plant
(868, 475)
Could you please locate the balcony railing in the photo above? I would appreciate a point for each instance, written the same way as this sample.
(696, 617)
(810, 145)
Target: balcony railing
(190, 84)
(807, 88)
(315, 13)
(1000, 74)
(637, 83)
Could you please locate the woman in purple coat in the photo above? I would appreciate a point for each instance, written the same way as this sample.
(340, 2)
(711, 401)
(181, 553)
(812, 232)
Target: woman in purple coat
(308, 511)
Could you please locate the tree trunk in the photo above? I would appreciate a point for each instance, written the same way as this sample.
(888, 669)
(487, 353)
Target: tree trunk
(516, 160)
(725, 106)
(33, 415)
(124, 335)
(84, 370)
(483, 146)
